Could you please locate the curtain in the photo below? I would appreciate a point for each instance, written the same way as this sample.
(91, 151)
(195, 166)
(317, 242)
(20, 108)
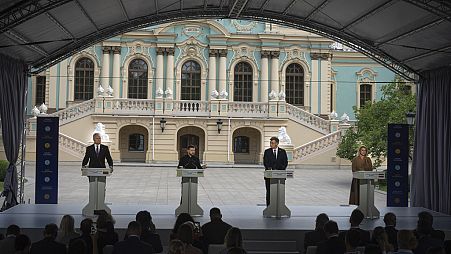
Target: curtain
(431, 170)
(13, 89)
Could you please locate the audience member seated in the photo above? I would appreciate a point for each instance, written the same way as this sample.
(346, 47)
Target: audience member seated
(318, 235)
(185, 234)
(352, 240)
(22, 244)
(176, 247)
(148, 233)
(373, 249)
(67, 230)
(233, 239)
(407, 242)
(105, 234)
(133, 244)
(426, 235)
(390, 229)
(333, 244)
(436, 250)
(7, 244)
(236, 251)
(380, 238)
(77, 246)
(182, 218)
(356, 218)
(85, 228)
(2, 236)
(48, 244)
(448, 247)
(214, 231)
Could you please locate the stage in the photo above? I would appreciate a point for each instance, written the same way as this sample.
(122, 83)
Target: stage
(260, 234)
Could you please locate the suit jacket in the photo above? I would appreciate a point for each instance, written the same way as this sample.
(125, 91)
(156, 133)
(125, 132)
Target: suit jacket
(47, 246)
(97, 161)
(132, 245)
(392, 233)
(426, 242)
(270, 161)
(333, 245)
(313, 238)
(214, 232)
(7, 245)
(152, 239)
(364, 236)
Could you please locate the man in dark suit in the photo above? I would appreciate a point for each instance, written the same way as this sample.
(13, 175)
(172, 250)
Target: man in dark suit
(215, 231)
(7, 244)
(48, 244)
(390, 228)
(133, 244)
(96, 154)
(85, 228)
(148, 233)
(333, 244)
(313, 238)
(356, 218)
(275, 158)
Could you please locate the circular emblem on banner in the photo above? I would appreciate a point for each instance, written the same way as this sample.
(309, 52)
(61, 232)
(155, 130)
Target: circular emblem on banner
(397, 134)
(47, 196)
(397, 167)
(46, 179)
(47, 162)
(397, 200)
(397, 151)
(47, 145)
(47, 128)
(397, 184)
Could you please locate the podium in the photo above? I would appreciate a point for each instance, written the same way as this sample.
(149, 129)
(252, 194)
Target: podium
(97, 183)
(277, 207)
(366, 192)
(188, 202)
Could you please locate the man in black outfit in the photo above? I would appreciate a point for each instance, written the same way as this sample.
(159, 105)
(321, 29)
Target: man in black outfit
(214, 231)
(133, 244)
(85, 228)
(190, 161)
(390, 228)
(48, 244)
(356, 218)
(148, 234)
(96, 154)
(333, 244)
(275, 158)
(313, 238)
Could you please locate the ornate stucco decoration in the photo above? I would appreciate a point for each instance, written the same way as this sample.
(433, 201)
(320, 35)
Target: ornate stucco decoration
(243, 26)
(192, 30)
(192, 48)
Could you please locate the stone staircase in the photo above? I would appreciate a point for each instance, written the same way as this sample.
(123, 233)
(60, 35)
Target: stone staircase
(317, 146)
(72, 146)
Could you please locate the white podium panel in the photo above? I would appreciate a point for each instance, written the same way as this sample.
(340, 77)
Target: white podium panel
(277, 207)
(188, 202)
(97, 185)
(366, 192)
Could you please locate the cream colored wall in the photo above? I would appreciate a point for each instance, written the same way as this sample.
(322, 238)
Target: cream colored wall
(63, 84)
(52, 87)
(254, 146)
(314, 87)
(124, 133)
(325, 86)
(300, 134)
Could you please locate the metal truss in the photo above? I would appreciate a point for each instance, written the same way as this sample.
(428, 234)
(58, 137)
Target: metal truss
(237, 7)
(441, 8)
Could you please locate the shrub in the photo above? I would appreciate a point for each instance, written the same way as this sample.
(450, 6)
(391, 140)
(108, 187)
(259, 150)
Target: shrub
(3, 167)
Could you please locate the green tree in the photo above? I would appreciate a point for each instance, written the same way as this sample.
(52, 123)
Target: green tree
(373, 119)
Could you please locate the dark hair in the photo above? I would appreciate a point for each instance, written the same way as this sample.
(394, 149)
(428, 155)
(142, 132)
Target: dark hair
(425, 221)
(215, 211)
(233, 238)
(182, 218)
(185, 234)
(51, 230)
(356, 217)
(353, 238)
(133, 228)
(275, 139)
(321, 220)
(144, 218)
(407, 240)
(77, 246)
(435, 250)
(190, 146)
(373, 249)
(103, 219)
(331, 227)
(13, 230)
(22, 242)
(236, 250)
(390, 219)
(96, 134)
(85, 226)
(176, 247)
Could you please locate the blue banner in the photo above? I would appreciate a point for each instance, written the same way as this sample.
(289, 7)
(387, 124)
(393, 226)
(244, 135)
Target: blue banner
(398, 165)
(47, 133)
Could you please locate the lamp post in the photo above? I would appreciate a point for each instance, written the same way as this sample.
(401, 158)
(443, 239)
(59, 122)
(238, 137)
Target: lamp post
(219, 124)
(162, 124)
(410, 118)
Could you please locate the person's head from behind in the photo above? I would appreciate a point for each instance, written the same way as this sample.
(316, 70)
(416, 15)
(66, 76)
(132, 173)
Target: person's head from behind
(103, 219)
(176, 247)
(191, 150)
(390, 219)
(96, 138)
(22, 243)
(233, 238)
(379, 235)
(352, 239)
(356, 218)
(67, 224)
(425, 222)
(331, 228)
(51, 231)
(407, 240)
(373, 249)
(185, 233)
(77, 247)
(133, 229)
(436, 250)
(182, 218)
(12, 230)
(236, 250)
(321, 220)
(145, 219)
(274, 142)
(215, 214)
(86, 226)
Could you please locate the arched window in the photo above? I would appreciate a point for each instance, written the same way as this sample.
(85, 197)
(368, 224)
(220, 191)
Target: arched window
(294, 84)
(242, 86)
(365, 94)
(241, 144)
(137, 79)
(40, 90)
(136, 142)
(191, 82)
(84, 79)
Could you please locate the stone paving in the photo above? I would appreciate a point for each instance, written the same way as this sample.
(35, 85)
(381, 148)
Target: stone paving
(220, 186)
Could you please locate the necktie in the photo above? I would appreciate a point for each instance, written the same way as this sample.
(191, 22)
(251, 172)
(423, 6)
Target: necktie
(275, 154)
(97, 150)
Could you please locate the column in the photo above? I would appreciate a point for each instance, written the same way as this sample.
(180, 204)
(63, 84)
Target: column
(275, 71)
(264, 76)
(212, 72)
(105, 69)
(116, 71)
(159, 73)
(222, 70)
(170, 71)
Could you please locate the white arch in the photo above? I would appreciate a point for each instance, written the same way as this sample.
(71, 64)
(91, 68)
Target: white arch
(71, 72)
(127, 62)
(254, 77)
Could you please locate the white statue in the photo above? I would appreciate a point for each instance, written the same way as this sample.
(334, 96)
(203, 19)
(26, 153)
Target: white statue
(214, 94)
(100, 128)
(282, 95)
(109, 91)
(35, 111)
(283, 136)
(100, 90)
(333, 115)
(344, 118)
(224, 94)
(43, 108)
(159, 93)
(273, 95)
(168, 93)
